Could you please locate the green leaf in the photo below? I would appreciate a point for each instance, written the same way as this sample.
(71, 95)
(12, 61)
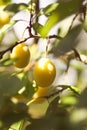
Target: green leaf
(29, 89)
(6, 62)
(37, 27)
(11, 118)
(53, 106)
(83, 99)
(67, 44)
(17, 125)
(49, 9)
(37, 107)
(64, 10)
(56, 118)
(69, 100)
(75, 89)
(9, 85)
(16, 7)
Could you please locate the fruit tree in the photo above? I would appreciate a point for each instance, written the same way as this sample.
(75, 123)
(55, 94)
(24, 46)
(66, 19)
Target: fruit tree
(43, 65)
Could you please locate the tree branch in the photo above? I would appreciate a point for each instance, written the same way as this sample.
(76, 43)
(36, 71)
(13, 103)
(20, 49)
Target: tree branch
(24, 40)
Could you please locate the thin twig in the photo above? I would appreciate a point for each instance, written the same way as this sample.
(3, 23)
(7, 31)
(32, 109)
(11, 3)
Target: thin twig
(37, 2)
(11, 47)
(72, 23)
(24, 40)
(54, 93)
(8, 49)
(77, 55)
(73, 90)
(55, 36)
(61, 90)
(31, 35)
(30, 21)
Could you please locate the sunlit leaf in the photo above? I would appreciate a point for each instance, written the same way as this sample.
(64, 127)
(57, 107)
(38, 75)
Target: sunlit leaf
(69, 100)
(37, 107)
(75, 89)
(49, 9)
(17, 125)
(64, 10)
(57, 119)
(37, 27)
(6, 62)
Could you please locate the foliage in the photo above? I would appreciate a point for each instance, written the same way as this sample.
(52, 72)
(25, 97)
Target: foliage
(62, 105)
